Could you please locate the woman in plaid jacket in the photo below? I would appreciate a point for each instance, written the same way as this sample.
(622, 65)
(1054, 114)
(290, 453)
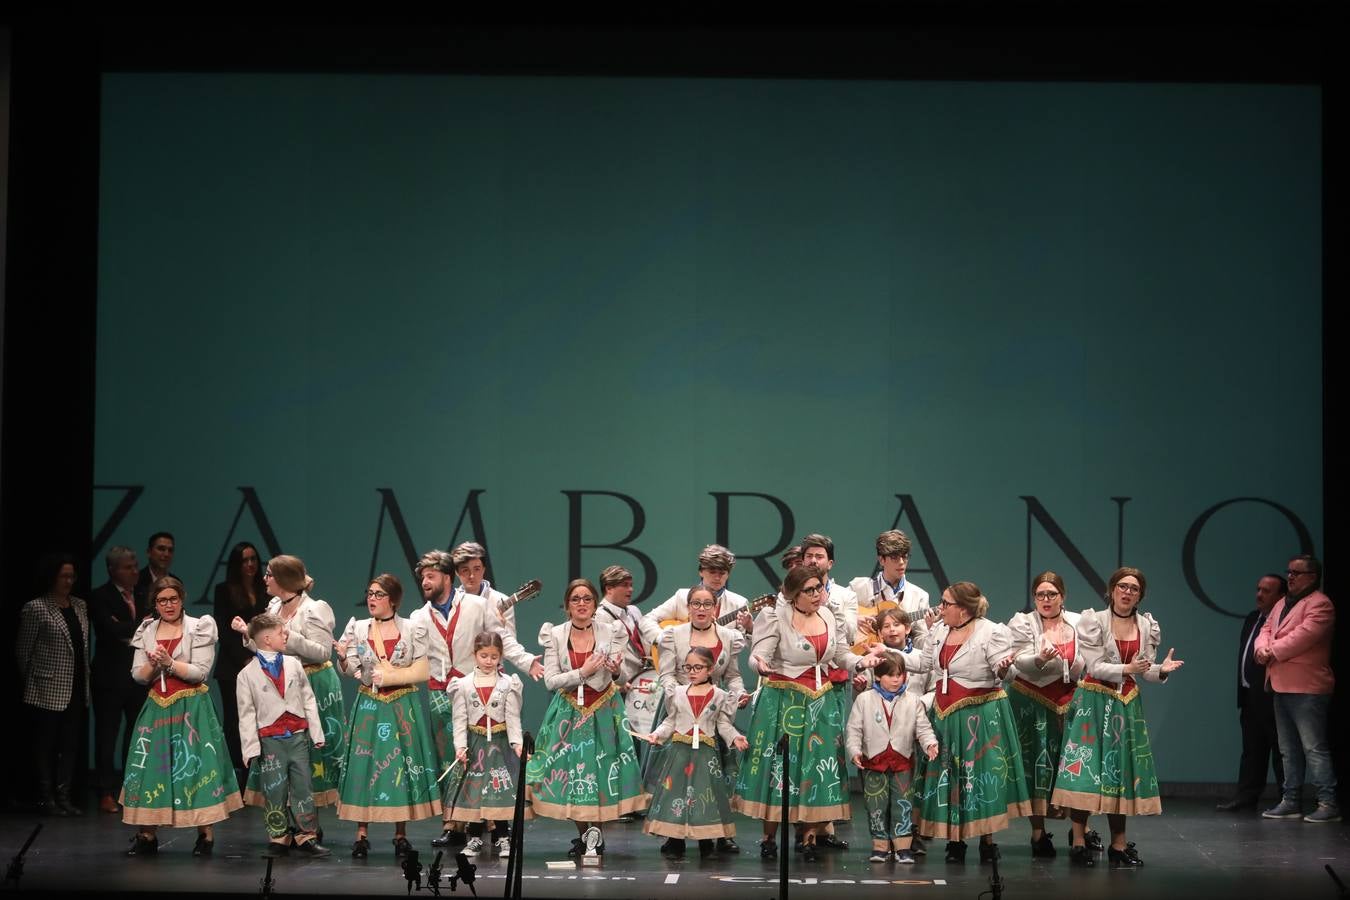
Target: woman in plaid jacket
(53, 656)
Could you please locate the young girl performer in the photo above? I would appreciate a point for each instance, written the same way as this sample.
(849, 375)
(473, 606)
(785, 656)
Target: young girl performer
(487, 739)
(691, 771)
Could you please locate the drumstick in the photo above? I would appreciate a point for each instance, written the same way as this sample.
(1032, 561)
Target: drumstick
(641, 737)
(453, 763)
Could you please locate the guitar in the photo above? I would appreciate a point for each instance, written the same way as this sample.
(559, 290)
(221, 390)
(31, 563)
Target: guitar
(867, 622)
(525, 592)
(752, 607)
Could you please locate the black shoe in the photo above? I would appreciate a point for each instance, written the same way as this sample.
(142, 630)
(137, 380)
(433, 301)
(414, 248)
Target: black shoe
(988, 851)
(1093, 841)
(578, 848)
(1045, 847)
(768, 849)
(144, 846)
(204, 845)
(1124, 859)
(444, 839)
(1235, 804)
(628, 817)
(276, 850)
(706, 848)
(401, 846)
(673, 847)
(830, 841)
(458, 837)
(728, 845)
(956, 851)
(1081, 856)
(313, 849)
(360, 848)
(918, 846)
(63, 802)
(809, 852)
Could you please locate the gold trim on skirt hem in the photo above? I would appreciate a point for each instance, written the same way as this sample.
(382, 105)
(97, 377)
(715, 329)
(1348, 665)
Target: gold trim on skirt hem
(963, 830)
(767, 812)
(352, 813)
(590, 813)
(188, 818)
(825, 687)
(696, 832)
(1116, 806)
(319, 667)
(497, 728)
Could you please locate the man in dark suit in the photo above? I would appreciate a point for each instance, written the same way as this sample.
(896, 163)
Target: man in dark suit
(117, 697)
(159, 556)
(1256, 709)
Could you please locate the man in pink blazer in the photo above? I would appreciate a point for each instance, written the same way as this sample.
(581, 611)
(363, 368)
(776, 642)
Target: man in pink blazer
(1295, 648)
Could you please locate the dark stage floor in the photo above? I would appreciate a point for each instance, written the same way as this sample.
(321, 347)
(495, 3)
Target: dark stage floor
(1189, 851)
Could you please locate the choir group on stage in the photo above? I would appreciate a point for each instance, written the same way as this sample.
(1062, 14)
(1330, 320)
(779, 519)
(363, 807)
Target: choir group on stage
(955, 724)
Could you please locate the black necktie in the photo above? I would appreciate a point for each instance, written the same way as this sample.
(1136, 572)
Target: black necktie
(1252, 671)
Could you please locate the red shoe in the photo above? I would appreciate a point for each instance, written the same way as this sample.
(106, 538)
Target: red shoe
(108, 804)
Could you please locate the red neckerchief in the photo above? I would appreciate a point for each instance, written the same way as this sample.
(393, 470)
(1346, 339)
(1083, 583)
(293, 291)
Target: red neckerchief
(448, 633)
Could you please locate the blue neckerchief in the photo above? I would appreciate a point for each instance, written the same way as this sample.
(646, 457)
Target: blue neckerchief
(717, 595)
(271, 668)
(444, 609)
(909, 645)
(898, 589)
(887, 695)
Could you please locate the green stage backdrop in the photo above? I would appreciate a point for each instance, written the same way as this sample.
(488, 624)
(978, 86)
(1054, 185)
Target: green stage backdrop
(594, 321)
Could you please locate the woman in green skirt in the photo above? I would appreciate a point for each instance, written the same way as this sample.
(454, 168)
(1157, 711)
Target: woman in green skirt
(585, 766)
(977, 783)
(802, 651)
(1048, 665)
(389, 774)
(1106, 765)
(309, 629)
(690, 799)
(178, 771)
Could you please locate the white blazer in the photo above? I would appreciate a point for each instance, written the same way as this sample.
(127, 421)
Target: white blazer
(309, 633)
(868, 732)
(1026, 629)
(476, 614)
(1101, 656)
(503, 706)
(197, 648)
(260, 705)
(675, 644)
(974, 665)
(788, 653)
(716, 715)
(558, 672)
(913, 600)
(677, 607)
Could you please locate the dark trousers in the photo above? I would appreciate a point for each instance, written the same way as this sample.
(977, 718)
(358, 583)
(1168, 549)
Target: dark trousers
(1260, 746)
(57, 744)
(117, 703)
(229, 718)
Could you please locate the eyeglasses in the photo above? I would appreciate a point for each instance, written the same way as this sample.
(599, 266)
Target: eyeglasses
(168, 601)
(376, 595)
(696, 667)
(702, 604)
(812, 591)
(1046, 595)
(1128, 588)
(268, 574)
(946, 603)
(1292, 572)
(586, 599)
(896, 556)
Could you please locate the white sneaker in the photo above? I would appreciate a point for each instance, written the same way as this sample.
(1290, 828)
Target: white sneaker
(503, 845)
(473, 847)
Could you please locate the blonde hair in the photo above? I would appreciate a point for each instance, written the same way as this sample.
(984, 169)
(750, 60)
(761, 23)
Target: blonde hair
(715, 556)
(966, 595)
